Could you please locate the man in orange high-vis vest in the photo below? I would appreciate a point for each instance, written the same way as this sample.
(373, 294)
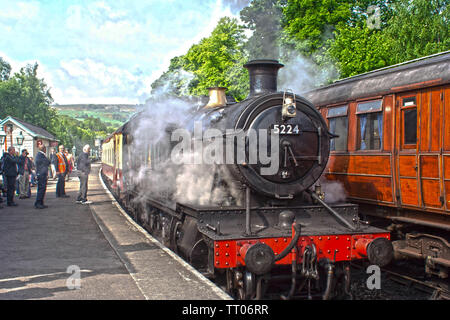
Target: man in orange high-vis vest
(62, 167)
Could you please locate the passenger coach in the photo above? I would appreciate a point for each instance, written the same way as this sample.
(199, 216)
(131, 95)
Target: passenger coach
(393, 151)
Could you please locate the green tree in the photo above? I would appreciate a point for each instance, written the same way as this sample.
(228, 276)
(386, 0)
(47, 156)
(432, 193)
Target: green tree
(5, 70)
(311, 22)
(27, 97)
(209, 63)
(418, 28)
(359, 49)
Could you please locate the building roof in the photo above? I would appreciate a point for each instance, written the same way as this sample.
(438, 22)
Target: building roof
(33, 130)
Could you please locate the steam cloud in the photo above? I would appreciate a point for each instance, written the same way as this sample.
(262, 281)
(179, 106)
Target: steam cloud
(169, 182)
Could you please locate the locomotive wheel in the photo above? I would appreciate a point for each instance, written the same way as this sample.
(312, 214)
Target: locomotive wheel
(241, 284)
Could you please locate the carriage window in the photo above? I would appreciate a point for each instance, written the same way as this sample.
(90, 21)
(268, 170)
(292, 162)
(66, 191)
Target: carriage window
(409, 116)
(410, 125)
(370, 118)
(338, 124)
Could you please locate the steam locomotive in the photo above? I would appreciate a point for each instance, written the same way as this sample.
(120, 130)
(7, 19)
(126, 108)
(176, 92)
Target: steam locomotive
(268, 229)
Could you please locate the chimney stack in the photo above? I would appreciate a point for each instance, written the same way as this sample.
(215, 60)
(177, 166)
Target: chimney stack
(263, 76)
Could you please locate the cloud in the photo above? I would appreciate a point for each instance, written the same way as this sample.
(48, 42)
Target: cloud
(110, 50)
(20, 11)
(95, 81)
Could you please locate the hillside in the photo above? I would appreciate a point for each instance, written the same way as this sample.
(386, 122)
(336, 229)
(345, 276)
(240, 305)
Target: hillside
(113, 115)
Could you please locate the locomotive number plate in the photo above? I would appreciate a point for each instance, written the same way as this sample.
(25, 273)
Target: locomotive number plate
(285, 129)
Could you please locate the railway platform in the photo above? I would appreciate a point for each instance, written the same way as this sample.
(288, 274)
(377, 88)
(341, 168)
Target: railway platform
(73, 251)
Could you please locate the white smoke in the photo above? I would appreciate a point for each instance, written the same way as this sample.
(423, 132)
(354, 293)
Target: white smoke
(334, 191)
(301, 74)
(156, 176)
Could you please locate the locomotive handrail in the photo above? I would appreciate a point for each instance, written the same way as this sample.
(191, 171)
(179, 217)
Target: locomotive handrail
(333, 212)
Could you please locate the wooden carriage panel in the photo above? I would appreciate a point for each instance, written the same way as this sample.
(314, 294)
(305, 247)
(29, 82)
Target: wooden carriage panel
(361, 164)
(409, 192)
(388, 123)
(366, 188)
(446, 118)
(446, 167)
(429, 166)
(446, 177)
(436, 120)
(408, 165)
(352, 127)
(424, 122)
(447, 194)
(431, 191)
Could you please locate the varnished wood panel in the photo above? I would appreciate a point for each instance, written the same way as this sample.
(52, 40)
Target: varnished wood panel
(446, 118)
(424, 121)
(447, 193)
(360, 164)
(429, 166)
(388, 123)
(407, 165)
(436, 120)
(408, 190)
(352, 127)
(447, 167)
(370, 188)
(430, 193)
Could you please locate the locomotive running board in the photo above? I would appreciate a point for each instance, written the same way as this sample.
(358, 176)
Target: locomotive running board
(220, 223)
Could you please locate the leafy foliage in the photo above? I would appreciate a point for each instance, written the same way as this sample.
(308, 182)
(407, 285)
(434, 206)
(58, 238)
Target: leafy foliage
(210, 63)
(5, 70)
(418, 28)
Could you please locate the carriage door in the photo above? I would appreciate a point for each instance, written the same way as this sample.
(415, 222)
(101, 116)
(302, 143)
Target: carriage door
(406, 149)
(430, 148)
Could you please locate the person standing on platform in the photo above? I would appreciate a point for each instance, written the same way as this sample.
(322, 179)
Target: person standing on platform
(62, 167)
(70, 160)
(42, 163)
(53, 159)
(10, 172)
(25, 168)
(84, 168)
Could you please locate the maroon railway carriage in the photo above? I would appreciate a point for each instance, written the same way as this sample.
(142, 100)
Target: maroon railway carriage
(393, 153)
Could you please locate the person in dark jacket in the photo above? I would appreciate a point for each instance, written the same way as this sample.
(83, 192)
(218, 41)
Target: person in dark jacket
(10, 172)
(25, 168)
(84, 168)
(42, 163)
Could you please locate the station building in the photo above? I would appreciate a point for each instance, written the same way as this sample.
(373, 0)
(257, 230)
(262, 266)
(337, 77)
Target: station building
(23, 135)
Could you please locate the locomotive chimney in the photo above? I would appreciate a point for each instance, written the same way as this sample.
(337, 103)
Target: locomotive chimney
(263, 76)
(217, 97)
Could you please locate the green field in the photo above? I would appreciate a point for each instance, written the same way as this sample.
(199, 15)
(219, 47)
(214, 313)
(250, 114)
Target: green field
(112, 115)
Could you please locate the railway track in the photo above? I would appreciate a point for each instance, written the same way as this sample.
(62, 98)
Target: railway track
(401, 282)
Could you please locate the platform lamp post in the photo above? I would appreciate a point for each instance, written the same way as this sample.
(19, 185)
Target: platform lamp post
(20, 139)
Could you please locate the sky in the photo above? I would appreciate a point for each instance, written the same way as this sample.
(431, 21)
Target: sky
(104, 52)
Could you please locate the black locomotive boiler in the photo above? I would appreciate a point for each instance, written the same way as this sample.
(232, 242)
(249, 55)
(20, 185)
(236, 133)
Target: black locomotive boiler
(270, 229)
